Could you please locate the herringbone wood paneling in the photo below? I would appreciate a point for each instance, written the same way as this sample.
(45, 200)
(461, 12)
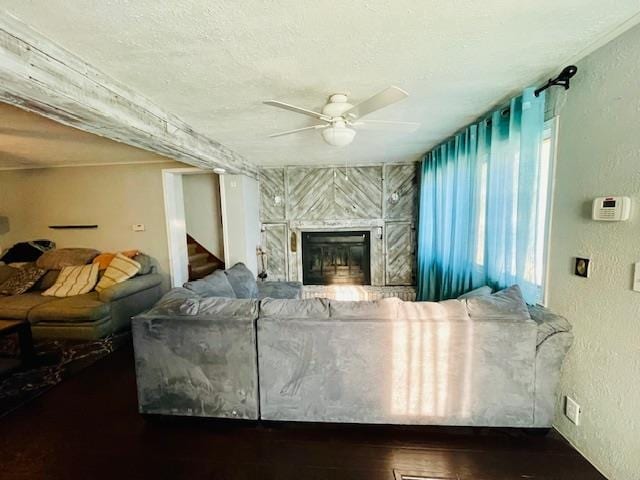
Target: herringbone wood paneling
(329, 194)
(272, 187)
(400, 257)
(311, 193)
(402, 180)
(358, 194)
(275, 242)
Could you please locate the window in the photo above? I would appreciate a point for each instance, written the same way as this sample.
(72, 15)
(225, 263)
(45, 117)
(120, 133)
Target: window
(545, 204)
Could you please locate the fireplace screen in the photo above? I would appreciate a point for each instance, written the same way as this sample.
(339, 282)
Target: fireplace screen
(336, 258)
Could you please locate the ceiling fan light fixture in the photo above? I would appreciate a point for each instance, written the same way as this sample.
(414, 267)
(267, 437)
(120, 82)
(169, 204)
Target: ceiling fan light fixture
(338, 136)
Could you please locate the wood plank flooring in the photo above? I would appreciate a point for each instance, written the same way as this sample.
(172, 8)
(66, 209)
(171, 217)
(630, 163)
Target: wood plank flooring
(88, 428)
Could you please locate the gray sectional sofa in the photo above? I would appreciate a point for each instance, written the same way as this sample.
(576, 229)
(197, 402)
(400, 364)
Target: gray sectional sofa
(486, 360)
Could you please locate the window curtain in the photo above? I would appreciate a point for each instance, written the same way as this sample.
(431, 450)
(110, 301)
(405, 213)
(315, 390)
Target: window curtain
(479, 206)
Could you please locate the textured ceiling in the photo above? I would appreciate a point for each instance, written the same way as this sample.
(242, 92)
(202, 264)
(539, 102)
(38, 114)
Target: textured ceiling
(28, 140)
(213, 62)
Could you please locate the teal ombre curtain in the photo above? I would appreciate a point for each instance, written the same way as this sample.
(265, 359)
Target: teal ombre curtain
(479, 207)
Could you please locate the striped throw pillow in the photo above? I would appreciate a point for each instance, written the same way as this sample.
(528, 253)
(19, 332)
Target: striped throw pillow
(74, 281)
(120, 269)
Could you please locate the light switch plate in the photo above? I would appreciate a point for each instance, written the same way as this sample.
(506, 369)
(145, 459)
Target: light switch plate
(572, 410)
(636, 277)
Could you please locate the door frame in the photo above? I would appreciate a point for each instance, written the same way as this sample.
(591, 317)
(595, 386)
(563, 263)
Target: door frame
(175, 221)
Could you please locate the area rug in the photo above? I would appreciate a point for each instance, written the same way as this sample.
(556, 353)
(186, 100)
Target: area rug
(56, 360)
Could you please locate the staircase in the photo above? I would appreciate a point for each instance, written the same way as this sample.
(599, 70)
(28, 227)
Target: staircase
(201, 261)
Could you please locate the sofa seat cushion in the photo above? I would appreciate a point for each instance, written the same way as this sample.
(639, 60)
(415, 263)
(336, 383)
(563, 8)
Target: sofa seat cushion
(279, 290)
(17, 307)
(242, 281)
(77, 309)
(313, 308)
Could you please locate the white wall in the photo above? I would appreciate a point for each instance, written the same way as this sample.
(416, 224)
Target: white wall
(114, 197)
(203, 215)
(599, 154)
(241, 219)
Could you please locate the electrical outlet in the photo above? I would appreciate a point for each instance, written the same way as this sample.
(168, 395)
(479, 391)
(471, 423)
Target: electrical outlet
(636, 277)
(572, 410)
(137, 227)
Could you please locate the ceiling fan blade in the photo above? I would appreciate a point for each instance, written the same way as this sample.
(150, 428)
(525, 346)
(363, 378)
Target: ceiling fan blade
(289, 132)
(293, 108)
(404, 127)
(383, 99)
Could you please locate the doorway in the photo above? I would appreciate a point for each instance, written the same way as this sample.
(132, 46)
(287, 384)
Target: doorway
(192, 202)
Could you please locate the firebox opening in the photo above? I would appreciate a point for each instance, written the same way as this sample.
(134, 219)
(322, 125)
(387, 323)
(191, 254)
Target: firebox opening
(330, 258)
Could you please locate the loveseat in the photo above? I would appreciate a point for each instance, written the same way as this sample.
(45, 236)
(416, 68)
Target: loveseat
(486, 360)
(87, 316)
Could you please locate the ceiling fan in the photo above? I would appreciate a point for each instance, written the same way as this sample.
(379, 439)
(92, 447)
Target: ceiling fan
(340, 118)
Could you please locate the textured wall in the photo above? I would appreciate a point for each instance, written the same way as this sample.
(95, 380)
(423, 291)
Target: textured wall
(202, 211)
(240, 207)
(293, 199)
(599, 154)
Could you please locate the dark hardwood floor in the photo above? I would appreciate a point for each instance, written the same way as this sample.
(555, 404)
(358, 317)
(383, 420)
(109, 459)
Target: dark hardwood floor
(88, 428)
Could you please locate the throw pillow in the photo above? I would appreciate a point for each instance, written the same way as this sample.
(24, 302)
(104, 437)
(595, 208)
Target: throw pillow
(507, 303)
(22, 280)
(74, 281)
(104, 259)
(214, 285)
(478, 292)
(242, 281)
(120, 269)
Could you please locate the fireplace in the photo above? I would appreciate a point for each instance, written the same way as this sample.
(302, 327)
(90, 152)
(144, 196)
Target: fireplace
(340, 257)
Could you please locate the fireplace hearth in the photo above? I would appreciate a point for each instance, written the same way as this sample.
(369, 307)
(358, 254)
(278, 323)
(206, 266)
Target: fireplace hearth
(336, 258)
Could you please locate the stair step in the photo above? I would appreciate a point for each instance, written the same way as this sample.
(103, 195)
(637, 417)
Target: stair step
(198, 259)
(203, 270)
(191, 248)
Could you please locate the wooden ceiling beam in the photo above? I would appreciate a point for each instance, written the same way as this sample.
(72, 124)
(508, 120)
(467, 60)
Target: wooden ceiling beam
(40, 76)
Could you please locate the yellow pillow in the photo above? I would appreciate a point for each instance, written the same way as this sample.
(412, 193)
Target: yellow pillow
(120, 269)
(104, 259)
(74, 280)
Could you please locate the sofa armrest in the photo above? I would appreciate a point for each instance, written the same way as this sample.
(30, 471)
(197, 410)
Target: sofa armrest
(130, 287)
(550, 355)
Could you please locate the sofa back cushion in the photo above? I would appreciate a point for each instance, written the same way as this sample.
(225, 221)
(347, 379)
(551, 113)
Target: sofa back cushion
(214, 285)
(386, 308)
(74, 281)
(22, 280)
(47, 280)
(445, 310)
(277, 308)
(146, 263)
(242, 281)
(505, 304)
(66, 257)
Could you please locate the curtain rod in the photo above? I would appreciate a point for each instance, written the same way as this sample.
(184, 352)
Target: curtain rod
(562, 80)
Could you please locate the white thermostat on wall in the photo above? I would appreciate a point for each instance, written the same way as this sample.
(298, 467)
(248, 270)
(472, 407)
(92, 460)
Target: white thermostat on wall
(611, 209)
